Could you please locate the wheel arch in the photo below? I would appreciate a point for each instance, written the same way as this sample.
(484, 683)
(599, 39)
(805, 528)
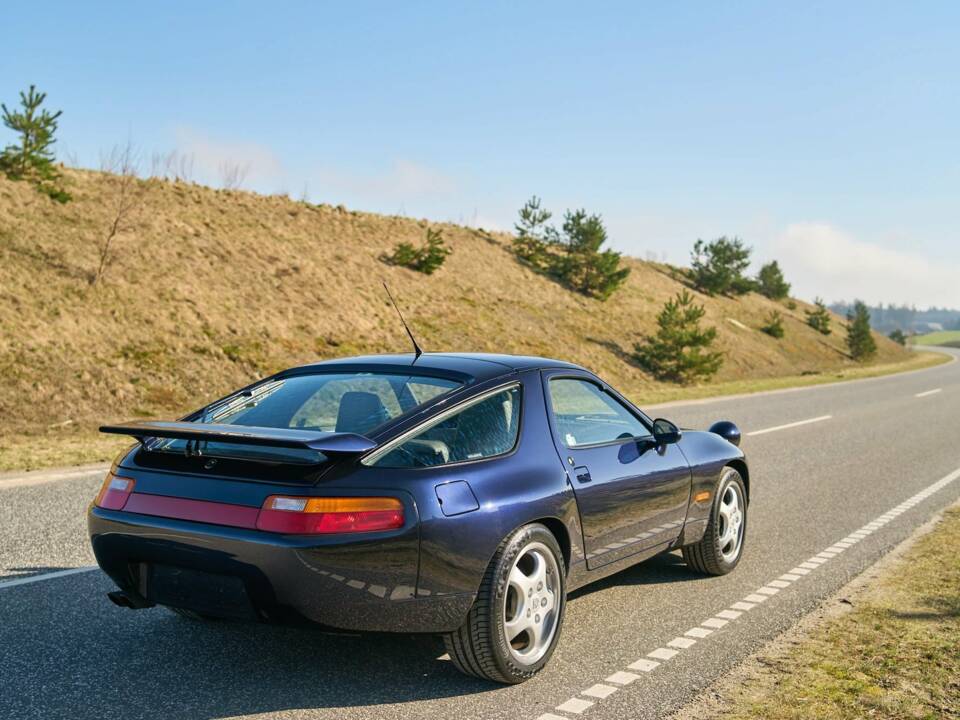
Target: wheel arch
(740, 466)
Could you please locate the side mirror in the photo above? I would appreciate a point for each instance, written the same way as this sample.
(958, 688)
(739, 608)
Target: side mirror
(665, 432)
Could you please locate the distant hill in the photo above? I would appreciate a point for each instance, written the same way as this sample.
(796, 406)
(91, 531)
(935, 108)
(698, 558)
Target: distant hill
(884, 319)
(215, 288)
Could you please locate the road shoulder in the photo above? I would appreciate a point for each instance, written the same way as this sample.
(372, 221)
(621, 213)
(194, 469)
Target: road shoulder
(884, 646)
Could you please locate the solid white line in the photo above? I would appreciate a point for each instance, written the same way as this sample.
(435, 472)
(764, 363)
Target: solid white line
(45, 576)
(928, 392)
(789, 425)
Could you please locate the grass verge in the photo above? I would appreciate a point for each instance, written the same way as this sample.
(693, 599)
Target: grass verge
(670, 393)
(80, 444)
(888, 650)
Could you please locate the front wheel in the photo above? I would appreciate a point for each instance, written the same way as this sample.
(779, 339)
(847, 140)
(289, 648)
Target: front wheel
(514, 625)
(721, 547)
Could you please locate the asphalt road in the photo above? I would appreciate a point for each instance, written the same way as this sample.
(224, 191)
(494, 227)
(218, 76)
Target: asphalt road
(66, 652)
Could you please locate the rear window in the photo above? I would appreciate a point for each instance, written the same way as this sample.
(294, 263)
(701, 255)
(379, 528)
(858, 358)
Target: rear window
(325, 402)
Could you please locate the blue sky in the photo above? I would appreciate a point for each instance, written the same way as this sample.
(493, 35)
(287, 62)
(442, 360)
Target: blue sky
(826, 135)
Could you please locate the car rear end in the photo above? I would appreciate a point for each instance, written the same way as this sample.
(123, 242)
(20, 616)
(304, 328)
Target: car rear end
(262, 522)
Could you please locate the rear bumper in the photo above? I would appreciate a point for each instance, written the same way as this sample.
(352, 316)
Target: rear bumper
(364, 582)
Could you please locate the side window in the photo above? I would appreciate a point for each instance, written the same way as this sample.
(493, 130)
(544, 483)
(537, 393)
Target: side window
(482, 429)
(586, 415)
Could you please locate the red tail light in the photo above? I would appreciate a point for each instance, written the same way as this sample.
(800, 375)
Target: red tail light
(114, 493)
(316, 516)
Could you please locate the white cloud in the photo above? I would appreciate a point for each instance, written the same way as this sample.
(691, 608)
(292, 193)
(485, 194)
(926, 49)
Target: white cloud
(820, 259)
(212, 160)
(403, 181)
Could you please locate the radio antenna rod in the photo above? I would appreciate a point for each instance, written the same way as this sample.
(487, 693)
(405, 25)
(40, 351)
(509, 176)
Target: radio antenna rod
(416, 348)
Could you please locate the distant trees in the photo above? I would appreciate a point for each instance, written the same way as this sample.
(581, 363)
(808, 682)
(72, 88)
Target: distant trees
(898, 336)
(860, 340)
(32, 158)
(774, 325)
(770, 281)
(426, 259)
(819, 318)
(125, 197)
(680, 350)
(572, 255)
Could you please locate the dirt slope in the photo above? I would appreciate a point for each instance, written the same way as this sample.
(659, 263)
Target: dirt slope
(214, 288)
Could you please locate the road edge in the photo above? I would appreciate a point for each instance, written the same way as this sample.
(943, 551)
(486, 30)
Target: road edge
(712, 701)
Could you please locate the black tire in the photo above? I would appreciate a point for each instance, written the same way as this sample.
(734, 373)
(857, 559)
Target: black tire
(706, 556)
(480, 647)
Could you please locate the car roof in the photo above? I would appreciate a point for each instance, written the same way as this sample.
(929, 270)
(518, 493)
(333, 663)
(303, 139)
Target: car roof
(481, 366)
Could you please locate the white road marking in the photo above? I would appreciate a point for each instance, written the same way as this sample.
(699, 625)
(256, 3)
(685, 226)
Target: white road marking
(4, 584)
(928, 393)
(577, 705)
(662, 653)
(789, 425)
(622, 678)
(574, 705)
(681, 642)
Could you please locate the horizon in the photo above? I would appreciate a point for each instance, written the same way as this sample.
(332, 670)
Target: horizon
(797, 130)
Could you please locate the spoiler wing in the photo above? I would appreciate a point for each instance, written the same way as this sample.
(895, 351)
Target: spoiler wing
(325, 442)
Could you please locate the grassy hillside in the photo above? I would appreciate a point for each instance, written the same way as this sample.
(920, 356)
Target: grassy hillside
(213, 289)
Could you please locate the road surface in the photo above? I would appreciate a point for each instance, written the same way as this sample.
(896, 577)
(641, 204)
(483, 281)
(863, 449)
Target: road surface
(840, 474)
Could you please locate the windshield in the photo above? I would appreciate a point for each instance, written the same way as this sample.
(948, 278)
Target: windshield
(326, 402)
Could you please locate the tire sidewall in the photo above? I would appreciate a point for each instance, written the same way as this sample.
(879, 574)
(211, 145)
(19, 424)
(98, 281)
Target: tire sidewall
(514, 547)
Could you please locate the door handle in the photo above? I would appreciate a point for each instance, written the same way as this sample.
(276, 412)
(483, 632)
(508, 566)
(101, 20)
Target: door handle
(583, 473)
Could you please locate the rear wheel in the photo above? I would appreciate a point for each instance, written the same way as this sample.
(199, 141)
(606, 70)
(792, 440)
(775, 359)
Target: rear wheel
(514, 625)
(721, 547)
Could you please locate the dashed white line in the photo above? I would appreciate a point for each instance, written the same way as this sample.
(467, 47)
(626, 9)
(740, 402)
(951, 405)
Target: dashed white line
(775, 428)
(577, 705)
(4, 584)
(927, 393)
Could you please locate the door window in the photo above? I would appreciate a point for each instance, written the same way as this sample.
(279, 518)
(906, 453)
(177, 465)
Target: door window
(587, 415)
(481, 429)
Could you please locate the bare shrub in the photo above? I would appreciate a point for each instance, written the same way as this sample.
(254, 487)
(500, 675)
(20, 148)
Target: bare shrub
(233, 175)
(125, 198)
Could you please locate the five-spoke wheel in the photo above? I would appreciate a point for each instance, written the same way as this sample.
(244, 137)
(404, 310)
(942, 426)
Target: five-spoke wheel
(721, 547)
(514, 625)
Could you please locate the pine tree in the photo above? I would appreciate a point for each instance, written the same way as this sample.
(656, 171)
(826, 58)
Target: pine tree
(718, 267)
(585, 267)
(860, 340)
(819, 319)
(771, 281)
(774, 326)
(534, 236)
(679, 352)
(426, 259)
(32, 159)
(898, 336)
(572, 255)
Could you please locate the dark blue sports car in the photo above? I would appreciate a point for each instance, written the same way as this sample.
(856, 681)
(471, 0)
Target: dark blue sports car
(443, 493)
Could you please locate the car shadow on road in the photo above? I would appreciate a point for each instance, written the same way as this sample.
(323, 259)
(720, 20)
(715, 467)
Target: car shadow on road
(661, 569)
(95, 660)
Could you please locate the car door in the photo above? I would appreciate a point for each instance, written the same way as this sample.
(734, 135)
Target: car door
(631, 493)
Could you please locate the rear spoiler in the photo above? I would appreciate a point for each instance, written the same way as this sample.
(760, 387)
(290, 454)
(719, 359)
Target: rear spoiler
(325, 442)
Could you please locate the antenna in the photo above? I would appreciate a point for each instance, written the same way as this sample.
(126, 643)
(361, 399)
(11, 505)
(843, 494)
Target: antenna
(416, 348)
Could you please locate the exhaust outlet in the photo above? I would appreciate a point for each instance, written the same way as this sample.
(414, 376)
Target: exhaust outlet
(122, 599)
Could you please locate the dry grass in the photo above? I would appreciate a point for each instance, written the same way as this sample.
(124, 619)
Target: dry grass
(894, 656)
(216, 288)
